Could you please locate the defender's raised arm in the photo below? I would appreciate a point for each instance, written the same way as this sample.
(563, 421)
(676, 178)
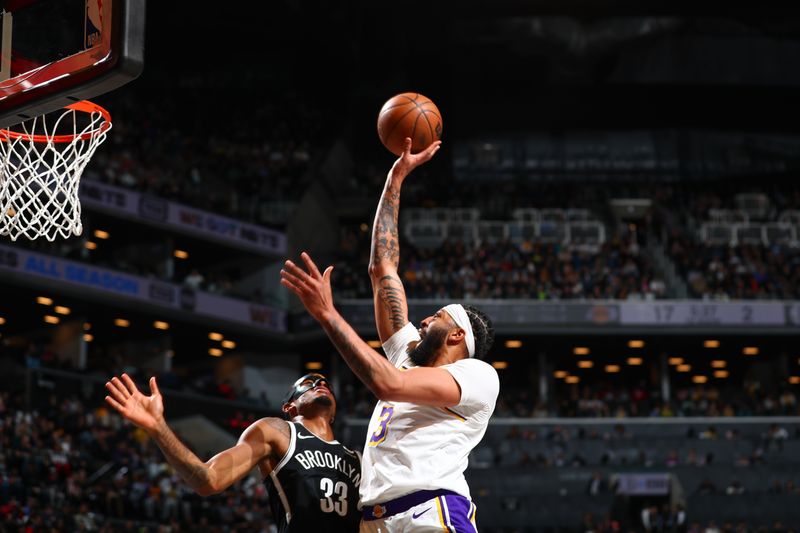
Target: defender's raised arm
(391, 308)
(205, 478)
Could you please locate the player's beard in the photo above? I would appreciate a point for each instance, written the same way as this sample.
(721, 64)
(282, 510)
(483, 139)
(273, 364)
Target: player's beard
(324, 400)
(423, 353)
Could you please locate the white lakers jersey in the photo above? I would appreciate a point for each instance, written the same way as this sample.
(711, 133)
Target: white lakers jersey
(414, 447)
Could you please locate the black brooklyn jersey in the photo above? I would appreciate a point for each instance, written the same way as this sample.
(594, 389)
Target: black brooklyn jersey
(315, 486)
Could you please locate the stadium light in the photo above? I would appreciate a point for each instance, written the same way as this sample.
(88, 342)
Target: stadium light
(230, 345)
(572, 379)
(50, 319)
(122, 322)
(216, 352)
(580, 350)
(513, 344)
(61, 310)
(314, 365)
(374, 344)
(699, 379)
(634, 361)
(675, 361)
(585, 364)
(500, 365)
(214, 336)
(159, 324)
(560, 374)
(684, 368)
(794, 380)
(88, 337)
(721, 374)
(2, 321)
(100, 234)
(718, 363)
(90, 245)
(711, 343)
(44, 300)
(612, 369)
(750, 350)
(87, 326)
(635, 343)
(180, 254)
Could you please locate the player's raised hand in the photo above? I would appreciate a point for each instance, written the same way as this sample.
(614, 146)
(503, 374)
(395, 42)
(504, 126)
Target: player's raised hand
(147, 412)
(408, 161)
(312, 287)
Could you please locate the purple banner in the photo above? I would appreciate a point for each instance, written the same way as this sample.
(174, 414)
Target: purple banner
(91, 279)
(180, 218)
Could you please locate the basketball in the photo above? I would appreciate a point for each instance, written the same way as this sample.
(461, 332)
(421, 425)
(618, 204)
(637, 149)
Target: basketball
(409, 115)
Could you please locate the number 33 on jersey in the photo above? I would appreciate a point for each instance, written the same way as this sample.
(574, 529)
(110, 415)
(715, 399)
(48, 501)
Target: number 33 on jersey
(315, 485)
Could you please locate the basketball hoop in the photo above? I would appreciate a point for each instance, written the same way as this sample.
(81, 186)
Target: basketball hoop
(41, 162)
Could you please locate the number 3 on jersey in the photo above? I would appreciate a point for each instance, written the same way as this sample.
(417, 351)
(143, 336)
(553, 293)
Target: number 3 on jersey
(387, 411)
(340, 490)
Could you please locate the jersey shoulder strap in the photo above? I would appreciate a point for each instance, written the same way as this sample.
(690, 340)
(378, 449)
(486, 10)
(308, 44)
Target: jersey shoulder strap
(289, 450)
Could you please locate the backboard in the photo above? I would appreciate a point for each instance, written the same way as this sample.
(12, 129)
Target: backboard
(56, 52)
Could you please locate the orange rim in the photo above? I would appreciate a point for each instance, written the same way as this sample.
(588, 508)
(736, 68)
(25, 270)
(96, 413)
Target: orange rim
(83, 106)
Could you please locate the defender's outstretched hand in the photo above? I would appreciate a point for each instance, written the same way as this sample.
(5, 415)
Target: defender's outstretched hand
(408, 161)
(147, 412)
(312, 287)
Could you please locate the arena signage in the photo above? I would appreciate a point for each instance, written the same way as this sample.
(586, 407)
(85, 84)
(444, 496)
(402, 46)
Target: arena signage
(148, 209)
(90, 280)
(704, 313)
(643, 484)
(533, 316)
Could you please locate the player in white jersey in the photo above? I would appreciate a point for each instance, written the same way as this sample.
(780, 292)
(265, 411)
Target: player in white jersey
(435, 393)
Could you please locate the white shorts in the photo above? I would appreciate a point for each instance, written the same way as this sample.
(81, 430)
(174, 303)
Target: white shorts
(444, 511)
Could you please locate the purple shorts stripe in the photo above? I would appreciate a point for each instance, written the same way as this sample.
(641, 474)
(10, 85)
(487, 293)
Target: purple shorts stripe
(458, 511)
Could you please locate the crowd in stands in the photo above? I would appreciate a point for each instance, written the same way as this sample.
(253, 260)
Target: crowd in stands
(433, 186)
(60, 449)
(245, 171)
(742, 272)
(746, 396)
(191, 383)
(619, 268)
(235, 163)
(603, 400)
(242, 169)
(69, 466)
(722, 270)
(561, 446)
(504, 270)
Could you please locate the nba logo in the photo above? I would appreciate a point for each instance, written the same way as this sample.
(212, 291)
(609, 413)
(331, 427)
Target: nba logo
(94, 23)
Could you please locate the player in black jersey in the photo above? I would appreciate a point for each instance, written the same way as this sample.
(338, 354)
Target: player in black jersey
(312, 480)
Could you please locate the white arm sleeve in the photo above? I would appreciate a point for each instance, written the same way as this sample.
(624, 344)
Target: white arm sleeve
(396, 347)
(479, 384)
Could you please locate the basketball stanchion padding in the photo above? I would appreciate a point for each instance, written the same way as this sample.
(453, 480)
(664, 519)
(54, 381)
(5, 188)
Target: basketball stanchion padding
(41, 162)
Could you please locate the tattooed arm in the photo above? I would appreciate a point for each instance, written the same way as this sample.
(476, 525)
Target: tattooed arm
(423, 385)
(259, 441)
(391, 309)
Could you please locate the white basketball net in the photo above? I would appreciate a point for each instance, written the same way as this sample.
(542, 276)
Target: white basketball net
(41, 162)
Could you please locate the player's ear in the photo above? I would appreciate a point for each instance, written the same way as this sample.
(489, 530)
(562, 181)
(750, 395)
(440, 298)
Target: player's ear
(287, 410)
(457, 335)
